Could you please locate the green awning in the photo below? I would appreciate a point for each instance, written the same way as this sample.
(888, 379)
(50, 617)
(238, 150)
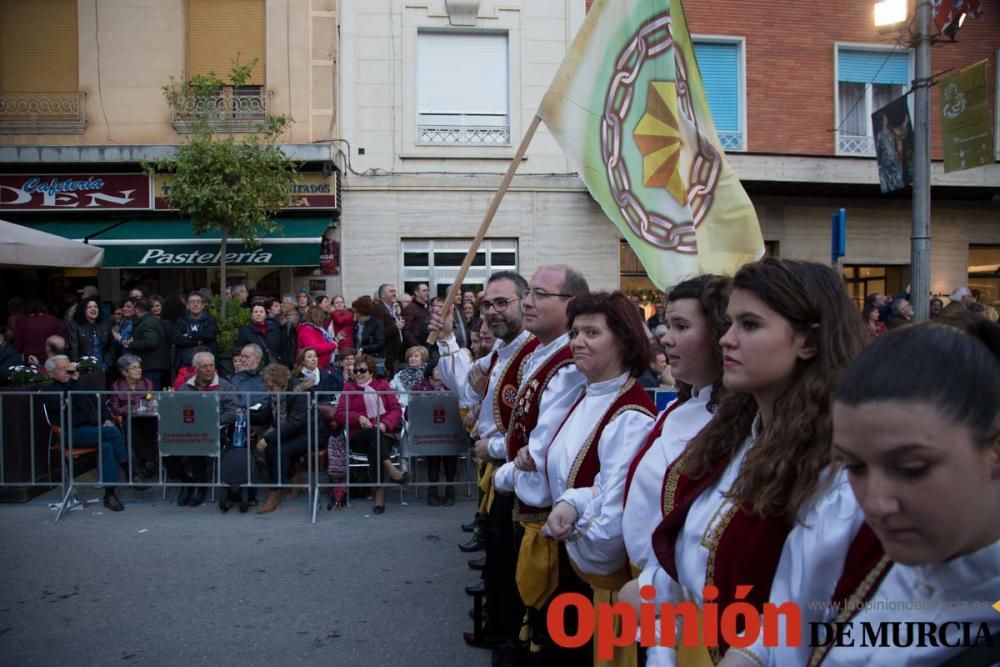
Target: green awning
(171, 243)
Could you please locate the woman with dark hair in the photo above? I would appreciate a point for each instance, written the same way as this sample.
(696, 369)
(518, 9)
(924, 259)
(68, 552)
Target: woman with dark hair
(369, 332)
(589, 455)
(286, 436)
(308, 375)
(876, 327)
(921, 447)
(695, 318)
(89, 334)
(341, 322)
(373, 418)
(758, 475)
(262, 331)
(312, 334)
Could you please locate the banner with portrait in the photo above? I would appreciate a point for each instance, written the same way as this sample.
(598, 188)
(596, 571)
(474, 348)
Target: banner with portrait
(893, 133)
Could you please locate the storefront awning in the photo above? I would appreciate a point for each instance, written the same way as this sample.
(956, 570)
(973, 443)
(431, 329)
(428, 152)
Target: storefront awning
(171, 243)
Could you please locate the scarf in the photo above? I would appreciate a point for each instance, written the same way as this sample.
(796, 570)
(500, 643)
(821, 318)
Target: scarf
(326, 334)
(408, 377)
(261, 327)
(373, 403)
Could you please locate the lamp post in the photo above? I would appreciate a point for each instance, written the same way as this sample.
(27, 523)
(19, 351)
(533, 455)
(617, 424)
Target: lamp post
(892, 12)
(920, 240)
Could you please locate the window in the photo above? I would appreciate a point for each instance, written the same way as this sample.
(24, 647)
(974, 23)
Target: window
(984, 273)
(721, 67)
(864, 280)
(867, 80)
(436, 262)
(462, 88)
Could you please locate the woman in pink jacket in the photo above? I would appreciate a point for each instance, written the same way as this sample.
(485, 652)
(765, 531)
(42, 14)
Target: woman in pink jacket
(311, 333)
(373, 423)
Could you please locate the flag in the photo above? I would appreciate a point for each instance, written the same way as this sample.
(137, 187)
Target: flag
(628, 108)
(948, 12)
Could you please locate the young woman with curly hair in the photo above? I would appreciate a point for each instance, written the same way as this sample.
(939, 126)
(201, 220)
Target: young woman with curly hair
(760, 469)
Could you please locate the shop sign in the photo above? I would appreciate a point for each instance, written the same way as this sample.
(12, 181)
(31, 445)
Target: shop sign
(91, 192)
(190, 256)
(311, 191)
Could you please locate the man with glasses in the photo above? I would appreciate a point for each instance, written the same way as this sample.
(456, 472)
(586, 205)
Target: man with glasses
(494, 380)
(392, 323)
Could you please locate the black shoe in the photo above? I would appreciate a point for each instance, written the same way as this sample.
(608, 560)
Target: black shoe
(433, 500)
(149, 470)
(483, 641)
(449, 499)
(475, 544)
(469, 527)
(197, 497)
(378, 509)
(476, 588)
(403, 479)
(183, 496)
(477, 564)
(112, 503)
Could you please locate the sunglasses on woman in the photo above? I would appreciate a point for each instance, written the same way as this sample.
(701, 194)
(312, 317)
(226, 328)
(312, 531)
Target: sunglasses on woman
(360, 371)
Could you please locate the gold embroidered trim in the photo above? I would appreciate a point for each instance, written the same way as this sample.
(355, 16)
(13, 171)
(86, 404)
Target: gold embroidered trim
(711, 542)
(501, 427)
(670, 487)
(852, 605)
(582, 454)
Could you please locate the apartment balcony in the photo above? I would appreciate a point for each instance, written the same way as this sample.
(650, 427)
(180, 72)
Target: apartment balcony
(42, 113)
(239, 109)
(463, 129)
(853, 144)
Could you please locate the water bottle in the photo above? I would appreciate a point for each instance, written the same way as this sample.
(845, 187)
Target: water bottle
(240, 431)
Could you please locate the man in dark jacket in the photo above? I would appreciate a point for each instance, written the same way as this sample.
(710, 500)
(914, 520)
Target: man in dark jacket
(262, 332)
(248, 364)
(205, 379)
(392, 325)
(149, 343)
(417, 317)
(195, 329)
(91, 423)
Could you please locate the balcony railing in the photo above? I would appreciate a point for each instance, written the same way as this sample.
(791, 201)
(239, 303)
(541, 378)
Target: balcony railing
(227, 111)
(853, 144)
(731, 141)
(469, 129)
(42, 113)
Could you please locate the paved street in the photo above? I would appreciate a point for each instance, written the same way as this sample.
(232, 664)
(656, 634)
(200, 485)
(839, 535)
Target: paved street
(162, 585)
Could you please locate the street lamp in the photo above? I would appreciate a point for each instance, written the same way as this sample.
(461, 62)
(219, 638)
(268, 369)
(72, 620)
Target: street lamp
(888, 13)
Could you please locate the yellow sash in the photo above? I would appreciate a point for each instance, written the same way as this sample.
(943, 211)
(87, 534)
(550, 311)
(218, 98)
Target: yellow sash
(486, 486)
(537, 566)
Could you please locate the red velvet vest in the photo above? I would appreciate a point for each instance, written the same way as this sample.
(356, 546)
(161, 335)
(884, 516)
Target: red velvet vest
(653, 435)
(505, 393)
(744, 547)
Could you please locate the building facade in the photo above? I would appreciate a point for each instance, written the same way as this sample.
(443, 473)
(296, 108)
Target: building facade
(411, 111)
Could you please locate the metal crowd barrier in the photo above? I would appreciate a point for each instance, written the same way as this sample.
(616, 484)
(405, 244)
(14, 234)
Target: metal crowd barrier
(430, 427)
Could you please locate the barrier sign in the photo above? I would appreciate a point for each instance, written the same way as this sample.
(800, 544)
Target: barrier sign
(189, 424)
(434, 427)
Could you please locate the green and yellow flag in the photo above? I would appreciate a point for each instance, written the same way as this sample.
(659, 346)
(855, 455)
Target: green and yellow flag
(628, 109)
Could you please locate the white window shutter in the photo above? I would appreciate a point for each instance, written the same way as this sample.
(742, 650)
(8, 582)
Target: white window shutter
(462, 73)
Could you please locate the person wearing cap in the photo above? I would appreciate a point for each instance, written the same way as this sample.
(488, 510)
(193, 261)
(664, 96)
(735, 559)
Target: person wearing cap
(961, 299)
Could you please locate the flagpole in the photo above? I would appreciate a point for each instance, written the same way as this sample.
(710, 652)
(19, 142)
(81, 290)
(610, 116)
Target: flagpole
(456, 287)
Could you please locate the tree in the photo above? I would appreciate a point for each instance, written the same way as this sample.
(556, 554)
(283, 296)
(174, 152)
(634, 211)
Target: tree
(233, 187)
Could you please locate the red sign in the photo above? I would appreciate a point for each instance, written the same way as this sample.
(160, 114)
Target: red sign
(50, 192)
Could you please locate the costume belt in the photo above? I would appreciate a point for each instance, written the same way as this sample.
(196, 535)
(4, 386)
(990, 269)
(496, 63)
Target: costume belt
(537, 566)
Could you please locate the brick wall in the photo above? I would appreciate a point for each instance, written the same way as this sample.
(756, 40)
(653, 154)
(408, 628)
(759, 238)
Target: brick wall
(790, 63)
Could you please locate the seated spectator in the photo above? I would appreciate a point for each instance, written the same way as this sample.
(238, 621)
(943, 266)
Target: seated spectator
(34, 329)
(285, 416)
(54, 346)
(263, 332)
(369, 332)
(89, 334)
(205, 379)
(130, 389)
(248, 365)
(341, 322)
(10, 356)
(373, 421)
(652, 378)
(344, 365)
(91, 423)
(411, 374)
(308, 376)
(312, 334)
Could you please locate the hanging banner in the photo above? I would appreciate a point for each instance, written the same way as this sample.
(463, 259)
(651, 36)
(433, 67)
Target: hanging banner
(893, 134)
(966, 129)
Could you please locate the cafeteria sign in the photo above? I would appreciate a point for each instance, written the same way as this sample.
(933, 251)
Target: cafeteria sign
(91, 192)
(966, 130)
